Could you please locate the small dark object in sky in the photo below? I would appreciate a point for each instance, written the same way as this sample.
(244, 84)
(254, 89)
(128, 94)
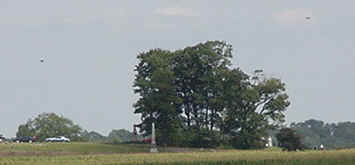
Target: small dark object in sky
(42, 60)
(308, 17)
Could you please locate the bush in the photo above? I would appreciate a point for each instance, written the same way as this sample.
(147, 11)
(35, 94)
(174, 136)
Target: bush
(116, 141)
(289, 140)
(247, 142)
(203, 139)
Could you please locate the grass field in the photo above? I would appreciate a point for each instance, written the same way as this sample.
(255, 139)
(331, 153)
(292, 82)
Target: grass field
(101, 154)
(25, 149)
(69, 148)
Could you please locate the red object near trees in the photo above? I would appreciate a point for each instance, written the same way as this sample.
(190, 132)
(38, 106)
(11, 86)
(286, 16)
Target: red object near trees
(148, 140)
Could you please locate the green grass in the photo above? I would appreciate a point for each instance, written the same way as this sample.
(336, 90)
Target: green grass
(82, 148)
(77, 148)
(123, 154)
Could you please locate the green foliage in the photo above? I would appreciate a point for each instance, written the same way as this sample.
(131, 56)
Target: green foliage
(121, 135)
(94, 136)
(115, 141)
(154, 82)
(114, 137)
(344, 134)
(50, 125)
(245, 141)
(289, 140)
(195, 91)
(202, 139)
(331, 135)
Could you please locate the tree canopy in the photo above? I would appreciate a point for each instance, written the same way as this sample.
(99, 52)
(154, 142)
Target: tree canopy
(50, 125)
(196, 93)
(289, 140)
(115, 136)
(331, 135)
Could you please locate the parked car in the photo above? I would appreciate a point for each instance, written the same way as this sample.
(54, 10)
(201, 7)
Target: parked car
(25, 139)
(57, 139)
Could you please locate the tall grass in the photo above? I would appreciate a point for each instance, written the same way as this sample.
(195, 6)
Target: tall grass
(79, 148)
(227, 157)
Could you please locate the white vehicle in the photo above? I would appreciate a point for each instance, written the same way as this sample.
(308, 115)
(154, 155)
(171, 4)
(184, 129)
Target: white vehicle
(58, 139)
(2, 139)
(50, 139)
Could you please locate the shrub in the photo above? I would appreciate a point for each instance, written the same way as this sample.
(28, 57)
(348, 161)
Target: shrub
(289, 140)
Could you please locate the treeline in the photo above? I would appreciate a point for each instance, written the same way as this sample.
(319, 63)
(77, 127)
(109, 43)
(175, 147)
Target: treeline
(331, 135)
(47, 125)
(114, 137)
(197, 99)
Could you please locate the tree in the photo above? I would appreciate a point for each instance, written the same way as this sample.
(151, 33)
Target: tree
(253, 105)
(289, 140)
(94, 136)
(197, 70)
(316, 132)
(344, 134)
(331, 135)
(198, 84)
(50, 125)
(121, 134)
(154, 83)
(196, 93)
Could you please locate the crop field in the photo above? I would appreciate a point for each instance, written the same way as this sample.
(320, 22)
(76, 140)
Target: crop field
(101, 154)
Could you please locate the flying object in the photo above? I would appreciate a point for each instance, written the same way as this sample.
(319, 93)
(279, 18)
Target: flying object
(308, 17)
(41, 60)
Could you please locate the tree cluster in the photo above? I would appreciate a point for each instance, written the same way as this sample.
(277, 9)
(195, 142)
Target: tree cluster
(196, 98)
(47, 125)
(115, 136)
(331, 135)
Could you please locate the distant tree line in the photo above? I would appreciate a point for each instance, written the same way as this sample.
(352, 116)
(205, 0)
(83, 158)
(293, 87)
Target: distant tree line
(196, 98)
(114, 137)
(331, 135)
(47, 125)
(50, 125)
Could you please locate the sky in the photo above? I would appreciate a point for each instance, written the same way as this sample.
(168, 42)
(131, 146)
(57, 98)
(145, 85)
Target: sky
(90, 50)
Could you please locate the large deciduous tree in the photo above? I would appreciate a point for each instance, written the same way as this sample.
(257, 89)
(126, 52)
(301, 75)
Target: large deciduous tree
(155, 84)
(196, 92)
(258, 107)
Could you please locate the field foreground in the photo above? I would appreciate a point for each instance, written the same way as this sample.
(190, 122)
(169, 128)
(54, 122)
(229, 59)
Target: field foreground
(230, 157)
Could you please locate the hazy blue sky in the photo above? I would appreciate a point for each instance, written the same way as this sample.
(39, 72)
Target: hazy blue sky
(90, 49)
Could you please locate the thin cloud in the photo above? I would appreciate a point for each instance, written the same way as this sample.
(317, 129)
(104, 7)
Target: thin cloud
(83, 16)
(159, 26)
(293, 16)
(176, 11)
